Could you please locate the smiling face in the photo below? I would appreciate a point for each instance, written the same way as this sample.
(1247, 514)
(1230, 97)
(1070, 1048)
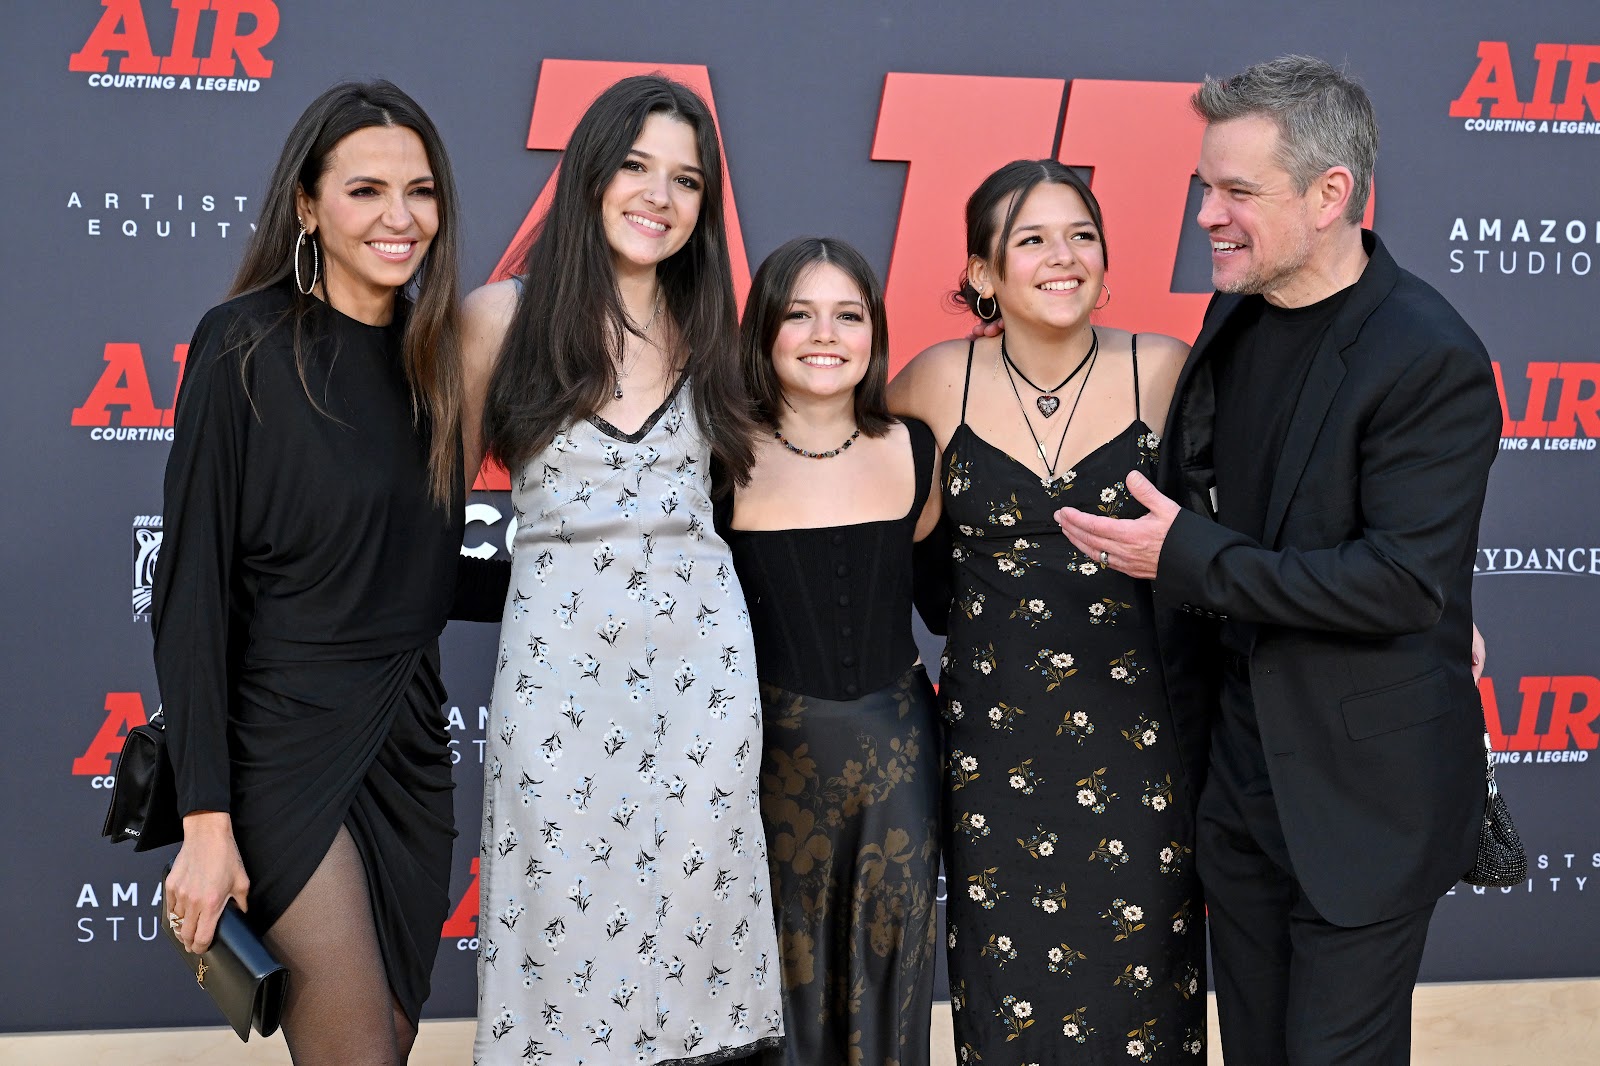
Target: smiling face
(824, 345)
(1054, 260)
(1263, 231)
(374, 214)
(651, 205)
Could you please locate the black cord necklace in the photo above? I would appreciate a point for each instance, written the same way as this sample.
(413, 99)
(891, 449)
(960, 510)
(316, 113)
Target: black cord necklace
(778, 436)
(1050, 465)
(1048, 403)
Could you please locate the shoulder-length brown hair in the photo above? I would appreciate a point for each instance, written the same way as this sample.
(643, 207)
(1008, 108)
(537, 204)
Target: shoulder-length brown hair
(770, 295)
(431, 347)
(558, 361)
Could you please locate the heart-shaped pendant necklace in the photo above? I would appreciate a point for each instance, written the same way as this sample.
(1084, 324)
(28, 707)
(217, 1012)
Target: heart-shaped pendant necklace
(1047, 402)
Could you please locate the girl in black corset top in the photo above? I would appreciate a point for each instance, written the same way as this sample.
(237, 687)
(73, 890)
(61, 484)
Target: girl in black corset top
(822, 538)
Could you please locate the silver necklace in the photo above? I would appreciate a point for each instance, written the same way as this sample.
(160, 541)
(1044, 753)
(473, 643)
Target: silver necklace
(1049, 465)
(622, 366)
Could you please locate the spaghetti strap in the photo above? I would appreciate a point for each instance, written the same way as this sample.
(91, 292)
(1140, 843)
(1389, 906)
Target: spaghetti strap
(1134, 340)
(966, 386)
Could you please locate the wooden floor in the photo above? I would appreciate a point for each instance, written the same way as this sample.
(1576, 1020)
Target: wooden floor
(1520, 1023)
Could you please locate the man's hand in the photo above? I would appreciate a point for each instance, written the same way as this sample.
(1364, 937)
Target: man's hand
(1131, 545)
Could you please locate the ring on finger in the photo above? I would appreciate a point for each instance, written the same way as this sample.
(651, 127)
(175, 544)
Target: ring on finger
(1105, 559)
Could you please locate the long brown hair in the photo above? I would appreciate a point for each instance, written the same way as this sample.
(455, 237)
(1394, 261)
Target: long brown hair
(431, 347)
(557, 364)
(770, 295)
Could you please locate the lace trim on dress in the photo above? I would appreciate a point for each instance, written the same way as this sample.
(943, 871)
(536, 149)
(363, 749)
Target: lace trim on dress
(726, 1054)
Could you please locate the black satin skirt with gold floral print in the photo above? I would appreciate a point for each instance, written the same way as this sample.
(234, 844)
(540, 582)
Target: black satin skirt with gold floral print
(850, 801)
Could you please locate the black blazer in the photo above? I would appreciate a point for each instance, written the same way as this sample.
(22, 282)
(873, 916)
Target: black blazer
(1360, 596)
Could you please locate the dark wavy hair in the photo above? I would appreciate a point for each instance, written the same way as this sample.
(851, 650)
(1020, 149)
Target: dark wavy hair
(988, 232)
(770, 295)
(558, 361)
(431, 347)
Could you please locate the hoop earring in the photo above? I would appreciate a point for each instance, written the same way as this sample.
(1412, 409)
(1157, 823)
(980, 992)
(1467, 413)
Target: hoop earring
(1105, 290)
(316, 263)
(994, 308)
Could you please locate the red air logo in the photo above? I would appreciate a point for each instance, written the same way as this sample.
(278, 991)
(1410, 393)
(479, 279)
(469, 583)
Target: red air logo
(1492, 102)
(1561, 399)
(123, 711)
(1554, 717)
(121, 405)
(216, 45)
(951, 131)
(463, 921)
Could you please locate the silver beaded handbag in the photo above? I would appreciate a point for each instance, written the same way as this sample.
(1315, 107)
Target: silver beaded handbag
(1500, 861)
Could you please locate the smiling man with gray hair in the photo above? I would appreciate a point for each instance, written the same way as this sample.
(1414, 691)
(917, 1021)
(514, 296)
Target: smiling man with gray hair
(1321, 480)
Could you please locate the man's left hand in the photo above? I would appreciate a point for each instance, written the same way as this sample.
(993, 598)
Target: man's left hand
(1131, 545)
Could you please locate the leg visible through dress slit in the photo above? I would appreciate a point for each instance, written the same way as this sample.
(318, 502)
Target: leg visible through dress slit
(339, 1008)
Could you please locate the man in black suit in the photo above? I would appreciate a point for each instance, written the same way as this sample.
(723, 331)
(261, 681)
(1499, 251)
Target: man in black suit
(1321, 481)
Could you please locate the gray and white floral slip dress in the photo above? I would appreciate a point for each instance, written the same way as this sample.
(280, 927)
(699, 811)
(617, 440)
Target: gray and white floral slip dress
(626, 914)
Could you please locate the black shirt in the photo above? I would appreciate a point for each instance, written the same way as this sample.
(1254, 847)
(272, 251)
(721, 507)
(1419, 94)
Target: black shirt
(1259, 376)
(830, 607)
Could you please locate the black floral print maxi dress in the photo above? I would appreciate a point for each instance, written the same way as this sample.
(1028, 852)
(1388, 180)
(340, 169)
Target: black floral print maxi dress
(1076, 930)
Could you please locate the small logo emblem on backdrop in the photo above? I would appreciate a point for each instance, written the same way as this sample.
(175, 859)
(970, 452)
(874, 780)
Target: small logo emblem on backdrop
(146, 549)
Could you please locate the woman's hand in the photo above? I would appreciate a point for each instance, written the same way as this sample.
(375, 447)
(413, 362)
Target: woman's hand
(1480, 653)
(206, 874)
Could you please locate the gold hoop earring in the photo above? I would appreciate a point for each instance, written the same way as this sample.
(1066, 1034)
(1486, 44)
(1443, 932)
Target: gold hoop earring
(1105, 290)
(994, 308)
(316, 262)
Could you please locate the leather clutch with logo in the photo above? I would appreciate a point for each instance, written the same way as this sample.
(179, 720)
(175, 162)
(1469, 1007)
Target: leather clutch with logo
(240, 974)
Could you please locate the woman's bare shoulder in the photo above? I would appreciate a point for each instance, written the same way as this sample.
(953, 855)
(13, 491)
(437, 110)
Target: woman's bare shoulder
(485, 316)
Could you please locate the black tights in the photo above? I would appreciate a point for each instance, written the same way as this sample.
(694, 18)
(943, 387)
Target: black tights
(339, 1009)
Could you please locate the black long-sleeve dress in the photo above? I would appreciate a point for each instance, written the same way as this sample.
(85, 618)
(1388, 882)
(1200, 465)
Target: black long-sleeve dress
(849, 779)
(304, 577)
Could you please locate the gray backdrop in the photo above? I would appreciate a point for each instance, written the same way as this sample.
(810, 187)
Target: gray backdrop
(869, 120)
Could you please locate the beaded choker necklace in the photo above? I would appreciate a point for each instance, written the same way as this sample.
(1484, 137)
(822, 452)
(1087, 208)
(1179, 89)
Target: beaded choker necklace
(778, 436)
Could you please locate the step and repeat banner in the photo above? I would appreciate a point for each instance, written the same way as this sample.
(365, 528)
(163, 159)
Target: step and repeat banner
(139, 135)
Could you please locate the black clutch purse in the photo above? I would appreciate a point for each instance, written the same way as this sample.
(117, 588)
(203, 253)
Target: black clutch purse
(1500, 861)
(144, 798)
(240, 974)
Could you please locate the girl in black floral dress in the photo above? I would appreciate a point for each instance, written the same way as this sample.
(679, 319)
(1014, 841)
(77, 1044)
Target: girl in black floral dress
(1076, 924)
(822, 538)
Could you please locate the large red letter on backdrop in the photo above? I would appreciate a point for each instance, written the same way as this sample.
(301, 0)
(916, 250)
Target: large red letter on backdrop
(227, 41)
(1580, 90)
(952, 131)
(463, 921)
(1142, 140)
(124, 711)
(1493, 80)
(120, 29)
(566, 89)
(123, 383)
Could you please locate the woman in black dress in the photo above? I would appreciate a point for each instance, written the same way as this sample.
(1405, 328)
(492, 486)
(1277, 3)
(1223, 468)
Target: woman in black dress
(822, 538)
(1075, 920)
(313, 506)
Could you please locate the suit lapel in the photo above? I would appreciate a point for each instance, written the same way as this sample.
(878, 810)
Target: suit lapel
(1316, 396)
(1186, 442)
(1323, 379)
